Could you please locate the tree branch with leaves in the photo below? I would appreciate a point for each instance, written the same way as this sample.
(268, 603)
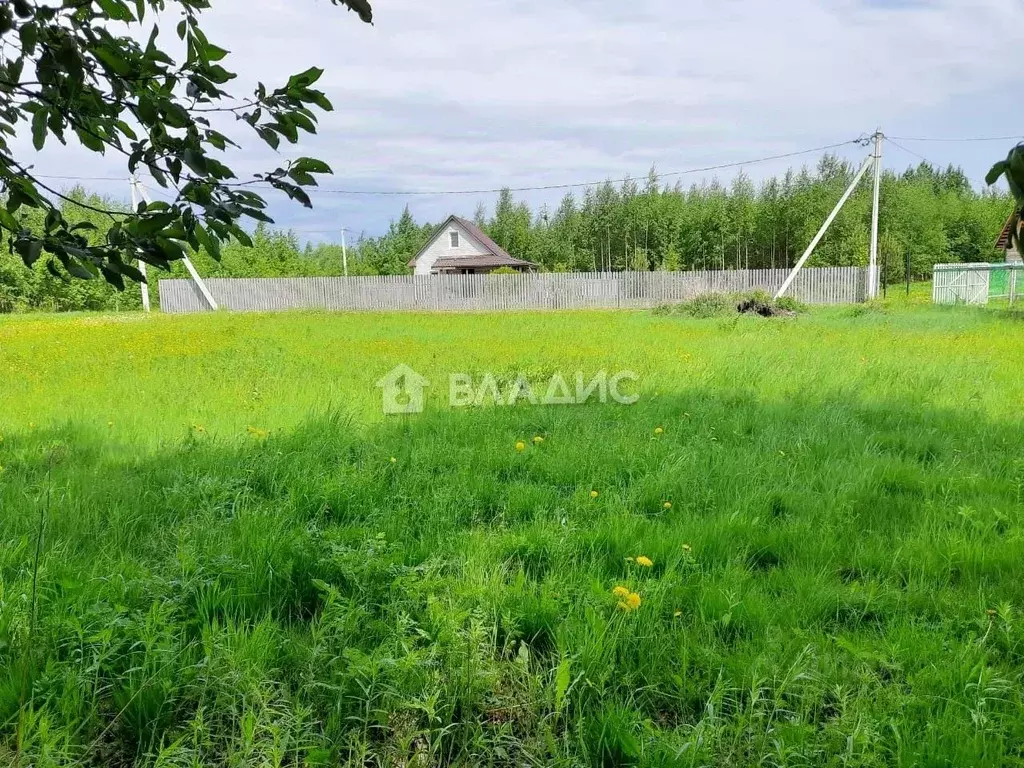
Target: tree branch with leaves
(65, 75)
(1012, 168)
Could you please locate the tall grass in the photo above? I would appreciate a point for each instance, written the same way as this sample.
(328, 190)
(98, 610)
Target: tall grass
(836, 579)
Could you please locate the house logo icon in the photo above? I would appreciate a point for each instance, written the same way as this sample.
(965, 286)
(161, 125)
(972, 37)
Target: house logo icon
(402, 390)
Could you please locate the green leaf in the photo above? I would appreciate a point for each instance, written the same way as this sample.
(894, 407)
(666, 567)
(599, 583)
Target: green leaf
(213, 52)
(39, 128)
(116, 10)
(311, 165)
(562, 679)
(208, 241)
(7, 221)
(150, 225)
(997, 170)
(113, 59)
(29, 249)
(113, 277)
(29, 36)
(195, 161)
(52, 221)
(304, 79)
(362, 7)
(76, 269)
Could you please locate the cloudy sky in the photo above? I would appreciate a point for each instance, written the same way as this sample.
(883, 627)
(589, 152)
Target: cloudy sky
(476, 94)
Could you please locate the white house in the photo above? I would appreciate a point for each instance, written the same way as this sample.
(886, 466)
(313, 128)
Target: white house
(461, 247)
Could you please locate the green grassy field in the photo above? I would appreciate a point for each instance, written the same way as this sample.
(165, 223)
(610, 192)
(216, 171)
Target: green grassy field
(243, 562)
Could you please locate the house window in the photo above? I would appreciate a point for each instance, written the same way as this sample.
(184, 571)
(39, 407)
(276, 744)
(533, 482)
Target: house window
(454, 237)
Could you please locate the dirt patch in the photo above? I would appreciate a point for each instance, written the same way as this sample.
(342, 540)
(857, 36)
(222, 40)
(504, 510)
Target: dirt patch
(763, 308)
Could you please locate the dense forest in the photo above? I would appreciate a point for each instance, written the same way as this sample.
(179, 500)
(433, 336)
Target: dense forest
(929, 215)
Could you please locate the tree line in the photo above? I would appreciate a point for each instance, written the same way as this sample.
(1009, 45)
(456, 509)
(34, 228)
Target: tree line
(928, 215)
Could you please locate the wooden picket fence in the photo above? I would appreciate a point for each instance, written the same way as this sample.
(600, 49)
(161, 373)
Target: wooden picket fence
(576, 290)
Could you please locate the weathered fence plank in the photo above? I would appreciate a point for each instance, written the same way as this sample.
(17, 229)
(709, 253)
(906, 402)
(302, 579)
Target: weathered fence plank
(576, 290)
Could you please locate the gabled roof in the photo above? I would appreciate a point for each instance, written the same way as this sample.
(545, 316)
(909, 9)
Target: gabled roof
(1004, 243)
(498, 257)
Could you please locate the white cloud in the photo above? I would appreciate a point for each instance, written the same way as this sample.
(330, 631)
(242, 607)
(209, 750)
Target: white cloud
(481, 93)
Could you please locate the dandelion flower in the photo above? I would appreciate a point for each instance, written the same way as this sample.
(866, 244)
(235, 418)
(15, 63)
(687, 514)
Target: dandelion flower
(645, 561)
(394, 460)
(537, 440)
(677, 614)
(594, 494)
(630, 601)
(520, 446)
(621, 591)
(658, 430)
(667, 505)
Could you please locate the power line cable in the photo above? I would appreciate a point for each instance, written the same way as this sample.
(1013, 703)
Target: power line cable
(964, 139)
(705, 169)
(537, 188)
(909, 151)
(930, 162)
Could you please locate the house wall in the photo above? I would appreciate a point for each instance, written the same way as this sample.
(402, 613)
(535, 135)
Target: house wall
(440, 248)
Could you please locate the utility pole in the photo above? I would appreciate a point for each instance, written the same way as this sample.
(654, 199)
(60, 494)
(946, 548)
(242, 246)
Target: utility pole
(344, 252)
(211, 302)
(142, 265)
(873, 260)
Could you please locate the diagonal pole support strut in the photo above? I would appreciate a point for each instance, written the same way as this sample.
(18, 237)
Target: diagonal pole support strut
(188, 262)
(824, 227)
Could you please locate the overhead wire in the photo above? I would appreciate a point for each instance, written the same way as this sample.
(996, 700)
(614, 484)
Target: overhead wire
(583, 184)
(908, 151)
(957, 139)
(535, 188)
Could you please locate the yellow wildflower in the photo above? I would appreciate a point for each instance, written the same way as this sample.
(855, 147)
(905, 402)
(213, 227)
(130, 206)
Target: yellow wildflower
(594, 494)
(658, 430)
(394, 460)
(677, 614)
(621, 591)
(110, 423)
(645, 561)
(520, 446)
(629, 602)
(667, 505)
(537, 440)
